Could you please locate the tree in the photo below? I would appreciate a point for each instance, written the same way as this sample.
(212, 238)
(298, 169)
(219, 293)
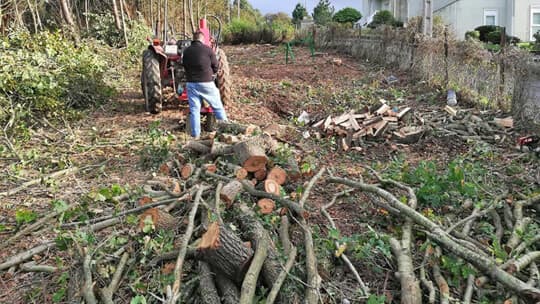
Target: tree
(347, 15)
(299, 13)
(322, 13)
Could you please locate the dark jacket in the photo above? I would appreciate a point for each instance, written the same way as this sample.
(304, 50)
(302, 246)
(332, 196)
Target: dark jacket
(200, 62)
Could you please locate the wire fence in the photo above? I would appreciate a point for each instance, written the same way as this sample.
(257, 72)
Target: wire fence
(507, 79)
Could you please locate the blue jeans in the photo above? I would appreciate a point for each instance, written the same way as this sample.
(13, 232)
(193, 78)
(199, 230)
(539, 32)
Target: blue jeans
(197, 91)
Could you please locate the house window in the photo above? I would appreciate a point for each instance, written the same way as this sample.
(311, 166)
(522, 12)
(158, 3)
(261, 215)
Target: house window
(535, 22)
(490, 17)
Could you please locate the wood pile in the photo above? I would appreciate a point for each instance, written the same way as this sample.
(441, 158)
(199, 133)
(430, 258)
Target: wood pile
(351, 127)
(470, 124)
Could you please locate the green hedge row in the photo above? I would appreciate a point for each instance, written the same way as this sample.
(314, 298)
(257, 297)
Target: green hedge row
(244, 31)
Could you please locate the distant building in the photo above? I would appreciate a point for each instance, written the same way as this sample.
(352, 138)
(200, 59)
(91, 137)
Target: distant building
(520, 17)
(306, 23)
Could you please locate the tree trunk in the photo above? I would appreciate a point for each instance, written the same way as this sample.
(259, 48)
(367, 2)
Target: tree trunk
(33, 16)
(228, 291)
(124, 29)
(225, 251)
(207, 289)
(66, 12)
(116, 16)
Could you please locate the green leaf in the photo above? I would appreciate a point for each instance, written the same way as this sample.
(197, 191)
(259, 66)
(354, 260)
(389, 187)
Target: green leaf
(24, 216)
(138, 300)
(59, 295)
(59, 205)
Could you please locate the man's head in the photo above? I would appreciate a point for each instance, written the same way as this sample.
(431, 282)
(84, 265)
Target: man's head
(198, 36)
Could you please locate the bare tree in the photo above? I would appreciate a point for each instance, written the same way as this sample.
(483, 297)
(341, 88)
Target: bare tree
(66, 12)
(117, 22)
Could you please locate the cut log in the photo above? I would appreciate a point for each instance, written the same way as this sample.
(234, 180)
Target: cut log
(145, 200)
(219, 148)
(207, 289)
(327, 123)
(166, 168)
(354, 124)
(229, 139)
(450, 110)
(275, 129)
(390, 118)
(371, 121)
(228, 291)
(266, 205)
(278, 174)
(379, 128)
(319, 124)
(225, 252)
(403, 112)
(234, 128)
(197, 147)
(260, 174)
(160, 219)
(239, 172)
(229, 191)
(383, 109)
(271, 186)
(251, 155)
(507, 122)
(187, 170)
(210, 168)
(409, 135)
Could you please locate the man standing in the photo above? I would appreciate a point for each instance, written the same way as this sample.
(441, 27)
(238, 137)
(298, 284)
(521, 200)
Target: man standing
(201, 64)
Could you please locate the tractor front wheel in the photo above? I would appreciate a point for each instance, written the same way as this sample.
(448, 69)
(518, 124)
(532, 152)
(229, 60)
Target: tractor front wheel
(151, 82)
(223, 80)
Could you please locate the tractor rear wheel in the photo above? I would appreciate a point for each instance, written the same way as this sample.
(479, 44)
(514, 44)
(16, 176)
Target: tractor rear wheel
(223, 80)
(151, 82)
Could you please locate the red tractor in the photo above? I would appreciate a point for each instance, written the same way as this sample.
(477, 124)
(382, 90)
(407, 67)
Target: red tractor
(163, 77)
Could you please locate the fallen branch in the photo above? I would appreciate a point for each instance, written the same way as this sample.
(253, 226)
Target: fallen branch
(284, 234)
(30, 183)
(228, 290)
(107, 292)
(363, 287)
(282, 276)
(32, 267)
(88, 284)
(182, 254)
(467, 296)
(427, 283)
(25, 255)
(444, 290)
(250, 280)
(130, 211)
(248, 187)
(524, 261)
(438, 234)
(207, 289)
(313, 279)
(35, 226)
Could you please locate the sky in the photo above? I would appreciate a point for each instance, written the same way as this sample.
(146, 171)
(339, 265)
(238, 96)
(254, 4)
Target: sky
(287, 6)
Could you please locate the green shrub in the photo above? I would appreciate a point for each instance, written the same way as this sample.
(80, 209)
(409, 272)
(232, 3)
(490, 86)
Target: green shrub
(47, 75)
(484, 30)
(472, 35)
(492, 33)
(382, 18)
(243, 31)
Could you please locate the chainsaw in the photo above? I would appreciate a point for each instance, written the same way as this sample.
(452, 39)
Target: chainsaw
(531, 142)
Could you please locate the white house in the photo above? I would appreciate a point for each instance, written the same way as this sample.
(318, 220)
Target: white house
(520, 17)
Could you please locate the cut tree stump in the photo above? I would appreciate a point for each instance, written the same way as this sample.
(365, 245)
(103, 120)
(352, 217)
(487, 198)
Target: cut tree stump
(239, 172)
(278, 174)
(266, 205)
(225, 252)
(160, 219)
(210, 168)
(260, 174)
(271, 186)
(187, 170)
(229, 191)
(251, 155)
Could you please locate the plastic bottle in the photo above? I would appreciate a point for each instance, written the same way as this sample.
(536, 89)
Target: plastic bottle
(451, 98)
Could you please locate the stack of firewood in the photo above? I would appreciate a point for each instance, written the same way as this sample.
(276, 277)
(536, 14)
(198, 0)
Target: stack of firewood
(351, 127)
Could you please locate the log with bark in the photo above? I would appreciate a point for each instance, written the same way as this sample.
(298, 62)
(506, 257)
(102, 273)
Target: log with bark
(225, 252)
(230, 191)
(251, 155)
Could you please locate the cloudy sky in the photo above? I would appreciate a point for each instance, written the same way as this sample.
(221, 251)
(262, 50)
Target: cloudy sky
(287, 6)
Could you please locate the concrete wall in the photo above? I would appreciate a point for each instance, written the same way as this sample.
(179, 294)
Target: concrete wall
(465, 15)
(522, 18)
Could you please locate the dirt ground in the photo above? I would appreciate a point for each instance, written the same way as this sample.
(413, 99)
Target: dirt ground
(107, 144)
